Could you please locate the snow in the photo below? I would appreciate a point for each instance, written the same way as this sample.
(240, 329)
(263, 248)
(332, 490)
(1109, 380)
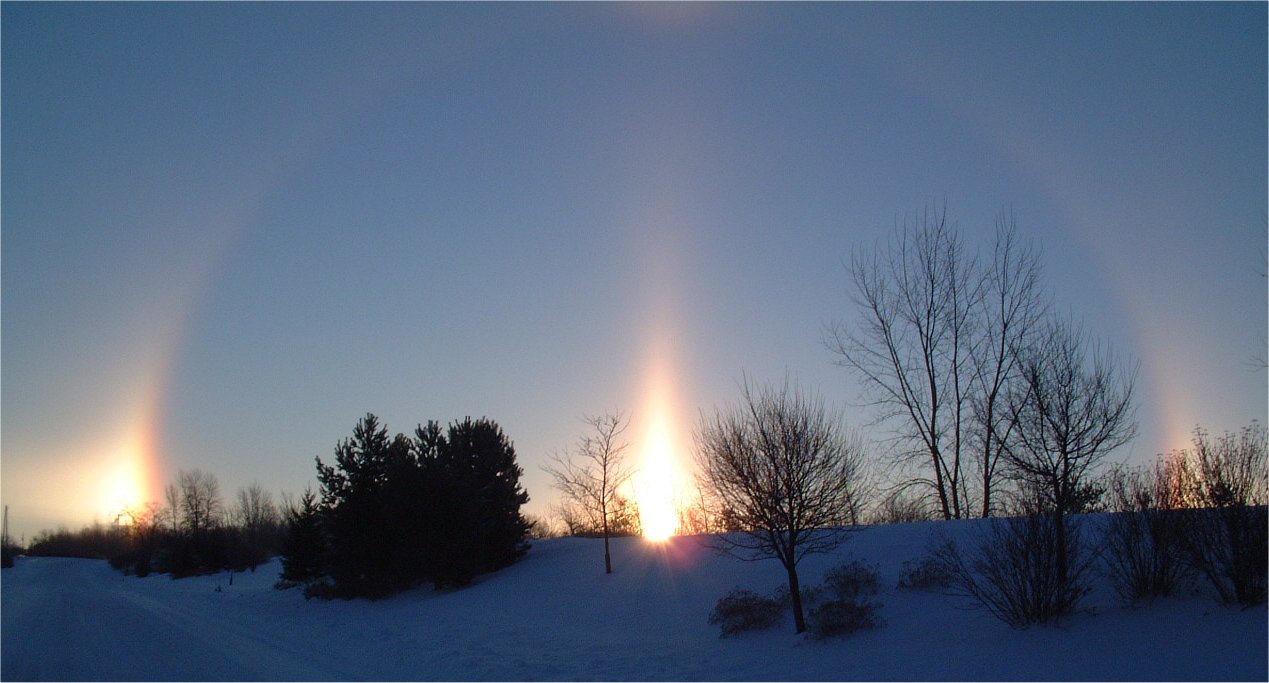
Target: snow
(555, 615)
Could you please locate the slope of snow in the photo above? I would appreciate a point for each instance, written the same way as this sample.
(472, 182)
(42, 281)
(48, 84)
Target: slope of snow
(556, 616)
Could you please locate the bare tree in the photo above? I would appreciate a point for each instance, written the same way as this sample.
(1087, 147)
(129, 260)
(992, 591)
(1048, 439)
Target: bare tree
(172, 495)
(200, 503)
(787, 471)
(1011, 307)
(257, 516)
(590, 476)
(1071, 409)
(914, 349)
(937, 349)
(254, 510)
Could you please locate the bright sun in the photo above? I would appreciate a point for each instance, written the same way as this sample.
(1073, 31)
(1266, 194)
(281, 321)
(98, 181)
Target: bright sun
(655, 489)
(120, 491)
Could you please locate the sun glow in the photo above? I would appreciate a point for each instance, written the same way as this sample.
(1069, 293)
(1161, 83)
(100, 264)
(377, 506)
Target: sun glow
(656, 486)
(124, 483)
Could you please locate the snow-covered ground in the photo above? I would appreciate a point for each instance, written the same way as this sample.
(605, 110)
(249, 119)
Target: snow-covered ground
(555, 615)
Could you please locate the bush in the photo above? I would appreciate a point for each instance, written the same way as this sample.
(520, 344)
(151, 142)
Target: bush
(852, 581)
(929, 573)
(811, 595)
(898, 508)
(842, 618)
(1018, 572)
(838, 606)
(1229, 546)
(1143, 539)
(1228, 542)
(742, 610)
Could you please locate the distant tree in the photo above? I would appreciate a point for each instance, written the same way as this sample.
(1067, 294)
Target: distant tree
(172, 496)
(591, 475)
(789, 473)
(143, 527)
(97, 541)
(256, 515)
(201, 506)
(899, 508)
(542, 528)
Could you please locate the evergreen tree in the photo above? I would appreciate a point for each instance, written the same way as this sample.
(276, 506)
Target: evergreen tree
(363, 537)
(304, 547)
(485, 460)
(438, 507)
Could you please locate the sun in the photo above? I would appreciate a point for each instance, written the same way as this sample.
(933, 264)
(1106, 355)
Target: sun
(121, 490)
(655, 488)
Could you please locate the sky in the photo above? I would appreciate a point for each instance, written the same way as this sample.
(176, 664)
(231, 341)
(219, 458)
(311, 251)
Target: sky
(228, 231)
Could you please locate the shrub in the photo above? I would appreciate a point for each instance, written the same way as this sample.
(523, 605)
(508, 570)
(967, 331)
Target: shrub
(852, 581)
(928, 573)
(742, 610)
(1228, 543)
(1018, 572)
(898, 508)
(811, 595)
(840, 608)
(322, 589)
(842, 618)
(1228, 546)
(836, 606)
(1143, 540)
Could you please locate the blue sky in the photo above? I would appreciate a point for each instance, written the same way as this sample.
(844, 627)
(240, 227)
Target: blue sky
(230, 230)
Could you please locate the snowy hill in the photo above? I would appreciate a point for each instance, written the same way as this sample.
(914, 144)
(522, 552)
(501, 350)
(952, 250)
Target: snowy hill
(555, 615)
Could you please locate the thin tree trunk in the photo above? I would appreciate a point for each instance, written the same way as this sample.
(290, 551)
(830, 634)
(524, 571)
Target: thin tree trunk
(607, 556)
(795, 594)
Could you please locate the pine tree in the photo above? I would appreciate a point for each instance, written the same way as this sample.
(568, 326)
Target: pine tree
(484, 460)
(355, 493)
(304, 548)
(439, 507)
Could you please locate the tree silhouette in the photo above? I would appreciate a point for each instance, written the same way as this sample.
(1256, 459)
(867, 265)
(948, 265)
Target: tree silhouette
(591, 475)
(438, 507)
(937, 345)
(788, 472)
(1072, 409)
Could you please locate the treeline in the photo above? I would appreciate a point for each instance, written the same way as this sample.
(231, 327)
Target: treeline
(441, 506)
(396, 512)
(194, 532)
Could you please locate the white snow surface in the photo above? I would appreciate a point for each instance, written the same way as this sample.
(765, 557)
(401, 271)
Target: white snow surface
(555, 615)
